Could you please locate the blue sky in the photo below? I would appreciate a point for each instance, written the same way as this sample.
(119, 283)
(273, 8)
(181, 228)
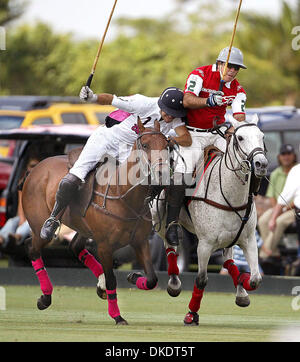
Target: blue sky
(87, 18)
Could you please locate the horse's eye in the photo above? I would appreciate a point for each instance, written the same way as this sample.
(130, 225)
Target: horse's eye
(145, 146)
(240, 138)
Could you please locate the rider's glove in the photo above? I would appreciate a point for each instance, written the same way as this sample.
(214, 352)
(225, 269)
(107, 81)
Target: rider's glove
(87, 95)
(216, 99)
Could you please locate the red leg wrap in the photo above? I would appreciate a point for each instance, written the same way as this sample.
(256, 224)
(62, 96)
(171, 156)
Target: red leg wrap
(196, 299)
(232, 270)
(244, 279)
(172, 261)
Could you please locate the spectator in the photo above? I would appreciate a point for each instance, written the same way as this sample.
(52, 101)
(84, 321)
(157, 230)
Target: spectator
(16, 229)
(291, 192)
(286, 159)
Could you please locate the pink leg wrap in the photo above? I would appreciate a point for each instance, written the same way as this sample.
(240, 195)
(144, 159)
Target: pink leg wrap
(141, 283)
(41, 273)
(232, 270)
(196, 299)
(90, 262)
(113, 309)
(172, 261)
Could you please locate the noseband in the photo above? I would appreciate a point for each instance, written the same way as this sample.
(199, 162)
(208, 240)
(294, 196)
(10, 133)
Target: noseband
(149, 165)
(246, 165)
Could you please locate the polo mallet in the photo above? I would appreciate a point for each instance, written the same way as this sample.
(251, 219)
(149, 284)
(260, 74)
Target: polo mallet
(90, 78)
(230, 46)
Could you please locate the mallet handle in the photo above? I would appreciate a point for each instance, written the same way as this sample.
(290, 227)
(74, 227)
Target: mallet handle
(230, 46)
(89, 81)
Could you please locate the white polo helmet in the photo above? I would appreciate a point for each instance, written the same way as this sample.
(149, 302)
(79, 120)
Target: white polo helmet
(236, 56)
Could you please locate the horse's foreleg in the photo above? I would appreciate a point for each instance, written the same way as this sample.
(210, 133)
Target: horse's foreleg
(34, 248)
(143, 255)
(111, 287)
(242, 298)
(204, 253)
(77, 245)
(174, 283)
(253, 280)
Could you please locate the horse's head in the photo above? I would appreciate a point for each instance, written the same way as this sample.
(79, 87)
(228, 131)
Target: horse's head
(248, 146)
(152, 147)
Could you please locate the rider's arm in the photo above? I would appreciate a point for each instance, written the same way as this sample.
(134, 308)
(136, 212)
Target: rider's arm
(183, 137)
(192, 101)
(192, 90)
(238, 106)
(105, 99)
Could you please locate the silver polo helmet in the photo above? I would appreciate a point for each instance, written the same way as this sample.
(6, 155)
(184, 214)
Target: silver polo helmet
(236, 57)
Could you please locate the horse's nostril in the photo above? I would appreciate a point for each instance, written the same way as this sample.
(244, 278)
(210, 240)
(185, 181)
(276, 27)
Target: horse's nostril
(257, 164)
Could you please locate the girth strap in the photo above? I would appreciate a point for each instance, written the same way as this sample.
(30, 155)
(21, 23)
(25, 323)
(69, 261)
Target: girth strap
(217, 205)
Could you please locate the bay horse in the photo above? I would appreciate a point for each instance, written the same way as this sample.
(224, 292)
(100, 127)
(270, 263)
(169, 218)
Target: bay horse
(117, 216)
(222, 213)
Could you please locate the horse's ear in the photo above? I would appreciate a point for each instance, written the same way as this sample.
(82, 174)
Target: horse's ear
(255, 119)
(157, 126)
(141, 126)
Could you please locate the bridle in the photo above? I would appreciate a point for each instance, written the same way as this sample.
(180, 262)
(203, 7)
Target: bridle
(246, 162)
(149, 167)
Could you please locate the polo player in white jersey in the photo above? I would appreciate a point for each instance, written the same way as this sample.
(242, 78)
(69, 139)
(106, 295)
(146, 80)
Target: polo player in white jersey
(167, 109)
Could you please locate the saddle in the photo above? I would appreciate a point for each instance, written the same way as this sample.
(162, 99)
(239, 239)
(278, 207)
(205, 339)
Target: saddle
(83, 199)
(210, 152)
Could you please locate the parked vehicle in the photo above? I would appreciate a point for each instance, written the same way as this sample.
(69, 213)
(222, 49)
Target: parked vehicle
(26, 111)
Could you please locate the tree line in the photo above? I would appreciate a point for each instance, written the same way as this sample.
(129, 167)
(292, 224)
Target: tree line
(148, 55)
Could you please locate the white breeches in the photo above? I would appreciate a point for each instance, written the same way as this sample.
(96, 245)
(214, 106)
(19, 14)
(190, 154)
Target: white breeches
(193, 155)
(101, 142)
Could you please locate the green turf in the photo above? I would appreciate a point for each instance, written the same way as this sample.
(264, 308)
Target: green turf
(77, 314)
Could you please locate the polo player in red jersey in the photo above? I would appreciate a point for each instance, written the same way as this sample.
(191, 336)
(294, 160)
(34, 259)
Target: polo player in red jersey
(206, 104)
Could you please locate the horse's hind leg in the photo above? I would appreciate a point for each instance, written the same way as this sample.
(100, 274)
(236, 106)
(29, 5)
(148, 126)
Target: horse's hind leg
(34, 245)
(105, 255)
(242, 299)
(77, 245)
(143, 255)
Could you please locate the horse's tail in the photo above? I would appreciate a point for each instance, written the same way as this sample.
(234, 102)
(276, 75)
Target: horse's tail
(21, 183)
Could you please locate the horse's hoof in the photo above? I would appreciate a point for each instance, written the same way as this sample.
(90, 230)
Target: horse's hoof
(44, 302)
(174, 286)
(133, 277)
(242, 301)
(191, 319)
(101, 293)
(120, 321)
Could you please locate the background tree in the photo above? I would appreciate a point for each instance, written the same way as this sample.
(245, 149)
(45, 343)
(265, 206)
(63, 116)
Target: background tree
(148, 55)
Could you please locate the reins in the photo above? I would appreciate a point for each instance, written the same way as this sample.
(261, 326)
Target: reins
(142, 214)
(237, 149)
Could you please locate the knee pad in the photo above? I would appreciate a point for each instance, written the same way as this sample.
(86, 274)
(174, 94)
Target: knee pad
(68, 186)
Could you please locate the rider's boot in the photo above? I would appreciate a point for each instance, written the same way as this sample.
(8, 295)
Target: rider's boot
(68, 186)
(175, 201)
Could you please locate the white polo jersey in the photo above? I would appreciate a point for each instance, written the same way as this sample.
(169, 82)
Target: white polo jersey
(291, 190)
(117, 141)
(147, 109)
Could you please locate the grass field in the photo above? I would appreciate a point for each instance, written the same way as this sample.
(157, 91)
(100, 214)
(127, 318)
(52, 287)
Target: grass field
(77, 314)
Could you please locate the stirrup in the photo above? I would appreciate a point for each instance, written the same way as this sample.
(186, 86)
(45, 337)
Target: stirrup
(49, 228)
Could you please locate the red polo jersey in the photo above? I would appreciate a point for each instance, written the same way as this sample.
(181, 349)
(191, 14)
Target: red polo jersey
(204, 81)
